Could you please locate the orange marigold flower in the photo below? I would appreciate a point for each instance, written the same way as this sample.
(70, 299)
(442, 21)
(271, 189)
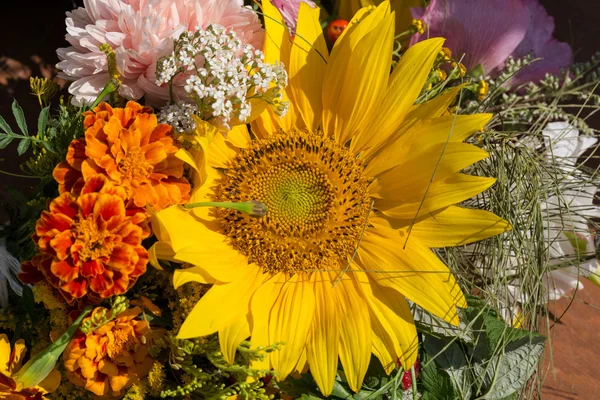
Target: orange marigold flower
(91, 245)
(133, 150)
(10, 364)
(112, 357)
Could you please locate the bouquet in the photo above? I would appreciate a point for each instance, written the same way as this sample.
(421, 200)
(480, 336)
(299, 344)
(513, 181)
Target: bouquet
(290, 199)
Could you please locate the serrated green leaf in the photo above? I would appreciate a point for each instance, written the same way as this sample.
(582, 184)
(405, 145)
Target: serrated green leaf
(451, 358)
(43, 121)
(500, 334)
(20, 117)
(435, 382)
(341, 390)
(23, 146)
(4, 126)
(5, 141)
(436, 326)
(309, 397)
(505, 374)
(305, 385)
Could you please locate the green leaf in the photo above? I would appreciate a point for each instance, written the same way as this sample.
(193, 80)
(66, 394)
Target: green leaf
(4, 126)
(40, 365)
(305, 385)
(500, 334)
(436, 383)
(20, 117)
(23, 146)
(5, 141)
(451, 358)
(436, 326)
(505, 374)
(48, 147)
(43, 121)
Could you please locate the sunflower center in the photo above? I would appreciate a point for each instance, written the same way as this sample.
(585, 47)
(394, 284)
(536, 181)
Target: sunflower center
(91, 240)
(316, 196)
(298, 196)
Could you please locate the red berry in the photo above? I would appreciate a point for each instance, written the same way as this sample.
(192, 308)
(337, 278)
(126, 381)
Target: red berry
(406, 380)
(335, 29)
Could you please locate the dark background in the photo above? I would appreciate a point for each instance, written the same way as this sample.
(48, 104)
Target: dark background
(30, 32)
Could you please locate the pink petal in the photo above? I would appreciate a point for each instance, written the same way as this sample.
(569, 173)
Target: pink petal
(485, 31)
(539, 42)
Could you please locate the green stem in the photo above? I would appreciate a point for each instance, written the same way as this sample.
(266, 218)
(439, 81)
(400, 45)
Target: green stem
(18, 175)
(413, 378)
(251, 207)
(110, 87)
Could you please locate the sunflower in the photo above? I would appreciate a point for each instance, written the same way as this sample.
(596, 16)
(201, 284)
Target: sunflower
(358, 182)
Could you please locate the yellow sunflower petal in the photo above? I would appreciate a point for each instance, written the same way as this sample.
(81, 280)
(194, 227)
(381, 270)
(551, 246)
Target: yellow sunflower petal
(392, 313)
(308, 60)
(192, 274)
(277, 48)
(363, 22)
(239, 136)
(425, 133)
(160, 251)
(453, 190)
(452, 128)
(324, 336)
(181, 229)
(5, 352)
(220, 152)
(414, 271)
(385, 347)
(289, 322)
(223, 262)
(433, 164)
(394, 309)
(456, 226)
(302, 366)
(260, 307)
(349, 108)
(222, 305)
(433, 108)
(231, 336)
(355, 332)
(277, 44)
(406, 83)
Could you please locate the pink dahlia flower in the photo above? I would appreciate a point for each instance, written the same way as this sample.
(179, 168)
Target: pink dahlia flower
(487, 32)
(289, 10)
(140, 32)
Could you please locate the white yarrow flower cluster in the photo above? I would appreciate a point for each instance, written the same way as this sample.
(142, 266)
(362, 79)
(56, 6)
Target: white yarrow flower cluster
(179, 116)
(221, 77)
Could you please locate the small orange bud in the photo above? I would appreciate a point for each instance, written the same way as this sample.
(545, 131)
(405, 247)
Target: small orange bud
(335, 29)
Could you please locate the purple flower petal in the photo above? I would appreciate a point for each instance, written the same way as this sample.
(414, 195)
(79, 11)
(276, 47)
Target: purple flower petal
(485, 31)
(539, 42)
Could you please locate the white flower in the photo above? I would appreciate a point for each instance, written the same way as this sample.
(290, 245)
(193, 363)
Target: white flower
(566, 211)
(221, 75)
(9, 268)
(571, 243)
